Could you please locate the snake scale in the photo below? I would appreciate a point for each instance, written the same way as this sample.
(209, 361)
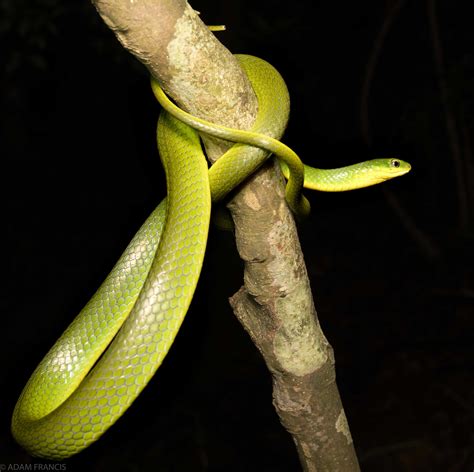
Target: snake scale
(104, 359)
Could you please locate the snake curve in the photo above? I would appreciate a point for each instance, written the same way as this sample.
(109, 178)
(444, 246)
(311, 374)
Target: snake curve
(111, 350)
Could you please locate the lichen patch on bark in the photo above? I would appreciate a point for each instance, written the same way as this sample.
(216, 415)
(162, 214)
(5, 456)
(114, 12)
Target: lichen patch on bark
(297, 343)
(183, 60)
(342, 426)
(251, 199)
(209, 79)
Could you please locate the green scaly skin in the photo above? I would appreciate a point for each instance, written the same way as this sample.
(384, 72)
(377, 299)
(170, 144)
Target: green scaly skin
(72, 397)
(363, 174)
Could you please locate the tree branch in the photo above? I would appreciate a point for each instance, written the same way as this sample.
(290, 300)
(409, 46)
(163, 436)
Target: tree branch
(275, 304)
(193, 67)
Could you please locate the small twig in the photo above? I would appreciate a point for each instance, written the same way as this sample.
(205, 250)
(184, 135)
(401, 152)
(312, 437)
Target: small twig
(389, 449)
(451, 127)
(469, 162)
(459, 400)
(371, 66)
(427, 246)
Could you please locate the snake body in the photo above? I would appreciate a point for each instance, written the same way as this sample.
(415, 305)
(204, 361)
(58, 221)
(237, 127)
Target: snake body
(73, 397)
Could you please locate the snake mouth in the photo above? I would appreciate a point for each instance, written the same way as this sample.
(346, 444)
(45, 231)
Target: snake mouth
(405, 169)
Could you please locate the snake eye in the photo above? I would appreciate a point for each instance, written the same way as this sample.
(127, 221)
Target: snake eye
(395, 163)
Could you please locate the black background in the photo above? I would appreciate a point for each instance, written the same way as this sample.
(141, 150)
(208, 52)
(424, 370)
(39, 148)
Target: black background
(81, 173)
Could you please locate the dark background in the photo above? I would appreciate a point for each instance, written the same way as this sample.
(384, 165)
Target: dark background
(391, 266)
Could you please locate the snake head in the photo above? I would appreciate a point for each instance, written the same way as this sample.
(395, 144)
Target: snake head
(390, 168)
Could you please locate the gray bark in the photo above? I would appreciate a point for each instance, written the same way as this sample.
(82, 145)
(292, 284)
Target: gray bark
(275, 303)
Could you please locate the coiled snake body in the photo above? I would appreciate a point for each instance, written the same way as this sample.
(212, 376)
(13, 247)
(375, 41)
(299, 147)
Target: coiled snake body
(73, 397)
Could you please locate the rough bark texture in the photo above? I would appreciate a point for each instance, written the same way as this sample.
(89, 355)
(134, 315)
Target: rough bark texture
(191, 65)
(275, 304)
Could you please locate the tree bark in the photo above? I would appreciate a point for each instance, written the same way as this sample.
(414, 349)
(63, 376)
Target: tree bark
(275, 303)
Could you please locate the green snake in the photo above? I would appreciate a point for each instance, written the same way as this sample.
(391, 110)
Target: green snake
(73, 397)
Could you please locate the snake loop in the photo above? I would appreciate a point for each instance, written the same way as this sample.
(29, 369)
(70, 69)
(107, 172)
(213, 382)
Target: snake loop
(104, 359)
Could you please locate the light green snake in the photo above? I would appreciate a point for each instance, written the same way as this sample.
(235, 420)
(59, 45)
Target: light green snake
(73, 397)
